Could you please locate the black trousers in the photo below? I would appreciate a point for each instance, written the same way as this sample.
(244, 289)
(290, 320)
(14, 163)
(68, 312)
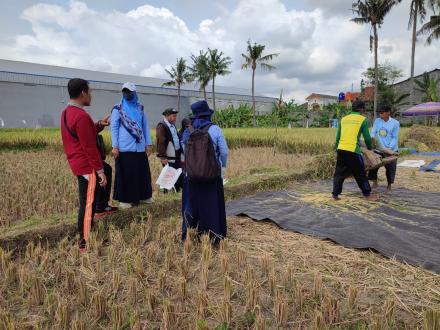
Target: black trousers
(87, 189)
(390, 171)
(103, 193)
(350, 163)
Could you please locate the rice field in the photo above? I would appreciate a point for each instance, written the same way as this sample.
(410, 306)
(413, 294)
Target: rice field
(40, 184)
(299, 140)
(142, 277)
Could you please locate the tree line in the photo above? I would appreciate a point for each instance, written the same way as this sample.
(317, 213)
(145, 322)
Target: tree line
(209, 64)
(373, 12)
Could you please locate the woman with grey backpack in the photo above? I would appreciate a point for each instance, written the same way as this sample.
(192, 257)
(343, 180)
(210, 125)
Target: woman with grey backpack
(206, 156)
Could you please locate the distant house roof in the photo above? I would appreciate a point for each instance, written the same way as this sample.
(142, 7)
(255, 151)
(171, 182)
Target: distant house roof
(317, 95)
(351, 96)
(416, 77)
(368, 93)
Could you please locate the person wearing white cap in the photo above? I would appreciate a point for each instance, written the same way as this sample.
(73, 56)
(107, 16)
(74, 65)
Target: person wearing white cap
(132, 144)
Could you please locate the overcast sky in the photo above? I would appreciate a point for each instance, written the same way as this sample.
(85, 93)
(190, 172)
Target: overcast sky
(320, 49)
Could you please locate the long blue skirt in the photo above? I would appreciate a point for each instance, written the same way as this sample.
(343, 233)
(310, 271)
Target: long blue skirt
(203, 207)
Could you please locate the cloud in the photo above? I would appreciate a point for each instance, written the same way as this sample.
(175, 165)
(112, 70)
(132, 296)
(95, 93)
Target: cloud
(155, 70)
(333, 7)
(320, 49)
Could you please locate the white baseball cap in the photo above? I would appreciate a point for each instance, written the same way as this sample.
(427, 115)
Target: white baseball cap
(130, 86)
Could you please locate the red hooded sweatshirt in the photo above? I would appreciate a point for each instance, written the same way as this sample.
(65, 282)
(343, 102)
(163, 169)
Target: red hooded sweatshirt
(82, 153)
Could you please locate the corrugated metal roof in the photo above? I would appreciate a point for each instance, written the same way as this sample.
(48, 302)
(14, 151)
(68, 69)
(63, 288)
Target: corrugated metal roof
(40, 74)
(416, 77)
(321, 95)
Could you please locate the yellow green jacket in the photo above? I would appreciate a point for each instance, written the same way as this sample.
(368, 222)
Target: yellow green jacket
(349, 133)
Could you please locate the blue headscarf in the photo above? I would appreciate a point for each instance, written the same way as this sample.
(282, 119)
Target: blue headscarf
(200, 122)
(131, 108)
(197, 122)
(131, 114)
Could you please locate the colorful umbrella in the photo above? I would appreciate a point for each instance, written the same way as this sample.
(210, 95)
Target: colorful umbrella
(423, 109)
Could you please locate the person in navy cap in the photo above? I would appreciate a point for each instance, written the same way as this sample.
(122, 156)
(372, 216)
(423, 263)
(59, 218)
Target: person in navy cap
(203, 202)
(168, 144)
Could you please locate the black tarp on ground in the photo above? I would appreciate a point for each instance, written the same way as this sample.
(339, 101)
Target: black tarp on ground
(404, 224)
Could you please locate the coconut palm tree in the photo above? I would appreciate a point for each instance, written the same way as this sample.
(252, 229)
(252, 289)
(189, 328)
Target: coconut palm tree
(417, 13)
(218, 65)
(393, 99)
(252, 58)
(200, 71)
(180, 76)
(432, 27)
(428, 86)
(373, 12)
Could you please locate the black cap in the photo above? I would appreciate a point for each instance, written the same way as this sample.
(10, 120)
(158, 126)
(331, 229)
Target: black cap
(358, 105)
(384, 108)
(170, 111)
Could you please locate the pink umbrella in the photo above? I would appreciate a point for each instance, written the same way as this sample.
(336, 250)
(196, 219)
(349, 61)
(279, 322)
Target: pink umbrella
(423, 109)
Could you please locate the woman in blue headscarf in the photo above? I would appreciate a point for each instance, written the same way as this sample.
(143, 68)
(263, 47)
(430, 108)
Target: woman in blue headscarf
(203, 203)
(131, 142)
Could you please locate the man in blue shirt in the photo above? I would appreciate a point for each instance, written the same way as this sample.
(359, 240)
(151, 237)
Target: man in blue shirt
(386, 133)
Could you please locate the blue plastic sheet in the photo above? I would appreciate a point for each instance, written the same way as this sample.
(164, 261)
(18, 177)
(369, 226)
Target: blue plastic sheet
(432, 166)
(428, 154)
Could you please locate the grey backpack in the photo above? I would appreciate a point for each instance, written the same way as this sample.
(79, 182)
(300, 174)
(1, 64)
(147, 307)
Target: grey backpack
(200, 160)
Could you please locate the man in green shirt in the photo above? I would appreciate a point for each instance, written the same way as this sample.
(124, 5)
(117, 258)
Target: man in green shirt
(349, 155)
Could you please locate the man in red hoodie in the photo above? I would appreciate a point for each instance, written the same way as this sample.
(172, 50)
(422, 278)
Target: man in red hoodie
(79, 132)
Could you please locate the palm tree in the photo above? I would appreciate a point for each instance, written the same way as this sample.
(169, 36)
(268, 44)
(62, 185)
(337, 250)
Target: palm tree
(180, 76)
(200, 71)
(373, 12)
(428, 86)
(393, 99)
(254, 57)
(432, 27)
(396, 101)
(417, 12)
(218, 65)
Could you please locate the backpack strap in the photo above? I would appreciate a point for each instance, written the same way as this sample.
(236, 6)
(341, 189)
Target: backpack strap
(206, 128)
(72, 133)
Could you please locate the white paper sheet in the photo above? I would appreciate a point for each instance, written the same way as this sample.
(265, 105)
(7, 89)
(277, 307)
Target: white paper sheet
(414, 163)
